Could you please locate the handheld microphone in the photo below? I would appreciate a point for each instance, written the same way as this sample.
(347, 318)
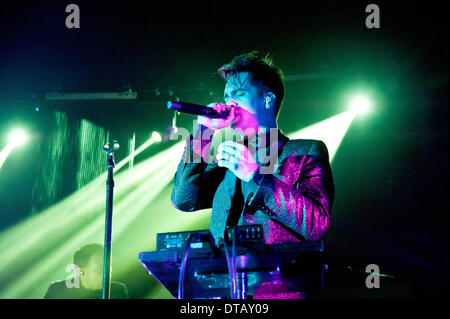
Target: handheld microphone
(190, 108)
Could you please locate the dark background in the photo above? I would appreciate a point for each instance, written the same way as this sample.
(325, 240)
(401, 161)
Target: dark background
(391, 170)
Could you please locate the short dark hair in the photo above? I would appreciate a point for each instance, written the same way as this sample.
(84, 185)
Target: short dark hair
(83, 255)
(262, 71)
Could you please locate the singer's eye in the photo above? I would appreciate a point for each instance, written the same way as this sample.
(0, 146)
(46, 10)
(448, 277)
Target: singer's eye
(239, 92)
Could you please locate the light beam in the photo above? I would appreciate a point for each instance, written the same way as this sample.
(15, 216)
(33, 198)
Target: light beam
(331, 131)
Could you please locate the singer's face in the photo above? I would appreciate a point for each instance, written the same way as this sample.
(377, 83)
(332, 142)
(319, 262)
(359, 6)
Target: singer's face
(240, 91)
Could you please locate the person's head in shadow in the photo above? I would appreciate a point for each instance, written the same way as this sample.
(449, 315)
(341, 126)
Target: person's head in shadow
(89, 262)
(86, 278)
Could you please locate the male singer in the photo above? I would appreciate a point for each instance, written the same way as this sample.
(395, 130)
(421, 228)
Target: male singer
(288, 191)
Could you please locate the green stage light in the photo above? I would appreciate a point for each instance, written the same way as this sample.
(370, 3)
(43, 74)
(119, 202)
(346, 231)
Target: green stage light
(18, 137)
(156, 137)
(360, 104)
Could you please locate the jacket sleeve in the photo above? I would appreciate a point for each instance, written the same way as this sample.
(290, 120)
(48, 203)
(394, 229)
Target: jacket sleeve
(195, 181)
(303, 206)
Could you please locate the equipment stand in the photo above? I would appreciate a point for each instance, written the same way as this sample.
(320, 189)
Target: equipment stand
(109, 149)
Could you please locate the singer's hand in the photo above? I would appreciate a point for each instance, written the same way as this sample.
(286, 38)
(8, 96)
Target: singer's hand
(238, 159)
(218, 123)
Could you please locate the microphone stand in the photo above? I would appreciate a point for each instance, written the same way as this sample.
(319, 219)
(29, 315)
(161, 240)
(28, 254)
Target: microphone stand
(106, 287)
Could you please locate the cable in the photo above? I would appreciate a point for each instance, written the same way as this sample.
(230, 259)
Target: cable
(183, 268)
(230, 269)
(233, 260)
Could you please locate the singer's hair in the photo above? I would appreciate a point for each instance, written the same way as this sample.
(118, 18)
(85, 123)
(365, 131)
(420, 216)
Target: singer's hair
(84, 254)
(263, 73)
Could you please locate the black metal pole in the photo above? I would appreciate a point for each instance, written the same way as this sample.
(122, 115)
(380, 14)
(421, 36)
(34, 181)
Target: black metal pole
(108, 221)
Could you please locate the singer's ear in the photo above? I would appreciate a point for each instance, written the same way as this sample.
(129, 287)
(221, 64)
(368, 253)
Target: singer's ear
(269, 100)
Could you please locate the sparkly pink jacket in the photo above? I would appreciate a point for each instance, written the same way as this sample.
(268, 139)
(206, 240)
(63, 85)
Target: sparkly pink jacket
(292, 205)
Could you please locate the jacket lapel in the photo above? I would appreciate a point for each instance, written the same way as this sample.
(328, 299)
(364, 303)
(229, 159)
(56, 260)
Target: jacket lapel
(225, 204)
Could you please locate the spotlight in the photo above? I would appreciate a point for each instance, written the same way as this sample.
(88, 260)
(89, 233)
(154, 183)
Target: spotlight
(17, 137)
(156, 137)
(360, 105)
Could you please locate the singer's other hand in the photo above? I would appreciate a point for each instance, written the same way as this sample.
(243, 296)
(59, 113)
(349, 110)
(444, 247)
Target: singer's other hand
(238, 159)
(218, 123)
